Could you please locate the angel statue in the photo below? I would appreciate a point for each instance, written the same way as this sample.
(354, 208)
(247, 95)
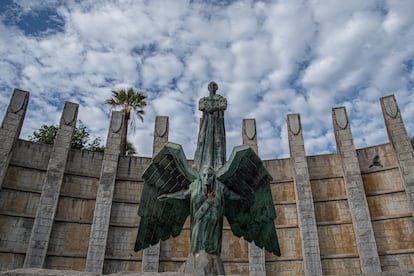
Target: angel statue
(238, 190)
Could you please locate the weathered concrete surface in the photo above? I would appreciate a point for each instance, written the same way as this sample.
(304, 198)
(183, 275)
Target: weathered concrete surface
(389, 273)
(52, 272)
(358, 205)
(384, 186)
(202, 264)
(401, 143)
(48, 202)
(312, 264)
(257, 260)
(151, 255)
(102, 214)
(11, 127)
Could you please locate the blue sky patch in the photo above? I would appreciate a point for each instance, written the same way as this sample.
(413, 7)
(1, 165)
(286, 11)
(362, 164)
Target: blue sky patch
(269, 59)
(33, 22)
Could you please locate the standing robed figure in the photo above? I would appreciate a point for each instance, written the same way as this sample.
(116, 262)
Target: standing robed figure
(211, 143)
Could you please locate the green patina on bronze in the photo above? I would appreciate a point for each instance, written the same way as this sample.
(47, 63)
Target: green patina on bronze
(211, 144)
(238, 189)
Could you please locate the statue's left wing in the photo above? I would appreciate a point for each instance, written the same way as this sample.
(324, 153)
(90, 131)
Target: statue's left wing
(168, 173)
(253, 217)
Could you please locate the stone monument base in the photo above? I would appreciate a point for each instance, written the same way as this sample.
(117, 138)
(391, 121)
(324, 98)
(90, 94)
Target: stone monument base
(201, 264)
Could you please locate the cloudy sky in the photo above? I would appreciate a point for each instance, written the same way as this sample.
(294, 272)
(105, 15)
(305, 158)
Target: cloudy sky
(269, 59)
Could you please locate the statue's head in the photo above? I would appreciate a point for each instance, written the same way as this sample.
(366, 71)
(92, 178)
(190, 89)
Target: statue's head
(207, 175)
(212, 87)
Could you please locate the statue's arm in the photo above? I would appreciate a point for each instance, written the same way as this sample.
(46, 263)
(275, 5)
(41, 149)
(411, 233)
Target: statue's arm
(202, 104)
(218, 103)
(177, 195)
(222, 104)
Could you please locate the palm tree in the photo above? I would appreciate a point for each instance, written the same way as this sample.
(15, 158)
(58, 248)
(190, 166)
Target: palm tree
(130, 149)
(132, 103)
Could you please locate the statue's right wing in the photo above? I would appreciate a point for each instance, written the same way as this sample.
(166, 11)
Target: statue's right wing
(168, 173)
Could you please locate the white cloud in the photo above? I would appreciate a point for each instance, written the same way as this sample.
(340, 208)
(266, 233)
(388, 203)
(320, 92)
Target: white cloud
(160, 70)
(269, 59)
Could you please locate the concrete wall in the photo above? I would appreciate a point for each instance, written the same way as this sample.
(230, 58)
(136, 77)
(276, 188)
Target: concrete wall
(384, 186)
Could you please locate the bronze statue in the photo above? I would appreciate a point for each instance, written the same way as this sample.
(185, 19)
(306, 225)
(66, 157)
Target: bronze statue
(238, 189)
(207, 198)
(211, 144)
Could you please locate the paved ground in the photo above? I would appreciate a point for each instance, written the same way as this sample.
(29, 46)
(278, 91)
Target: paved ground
(51, 272)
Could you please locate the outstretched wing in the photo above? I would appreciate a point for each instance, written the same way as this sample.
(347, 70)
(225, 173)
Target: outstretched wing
(254, 217)
(167, 173)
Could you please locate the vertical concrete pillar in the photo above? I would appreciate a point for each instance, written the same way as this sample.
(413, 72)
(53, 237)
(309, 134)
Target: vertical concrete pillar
(161, 130)
(11, 127)
(101, 216)
(361, 220)
(304, 200)
(257, 262)
(45, 215)
(249, 134)
(401, 144)
(151, 255)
